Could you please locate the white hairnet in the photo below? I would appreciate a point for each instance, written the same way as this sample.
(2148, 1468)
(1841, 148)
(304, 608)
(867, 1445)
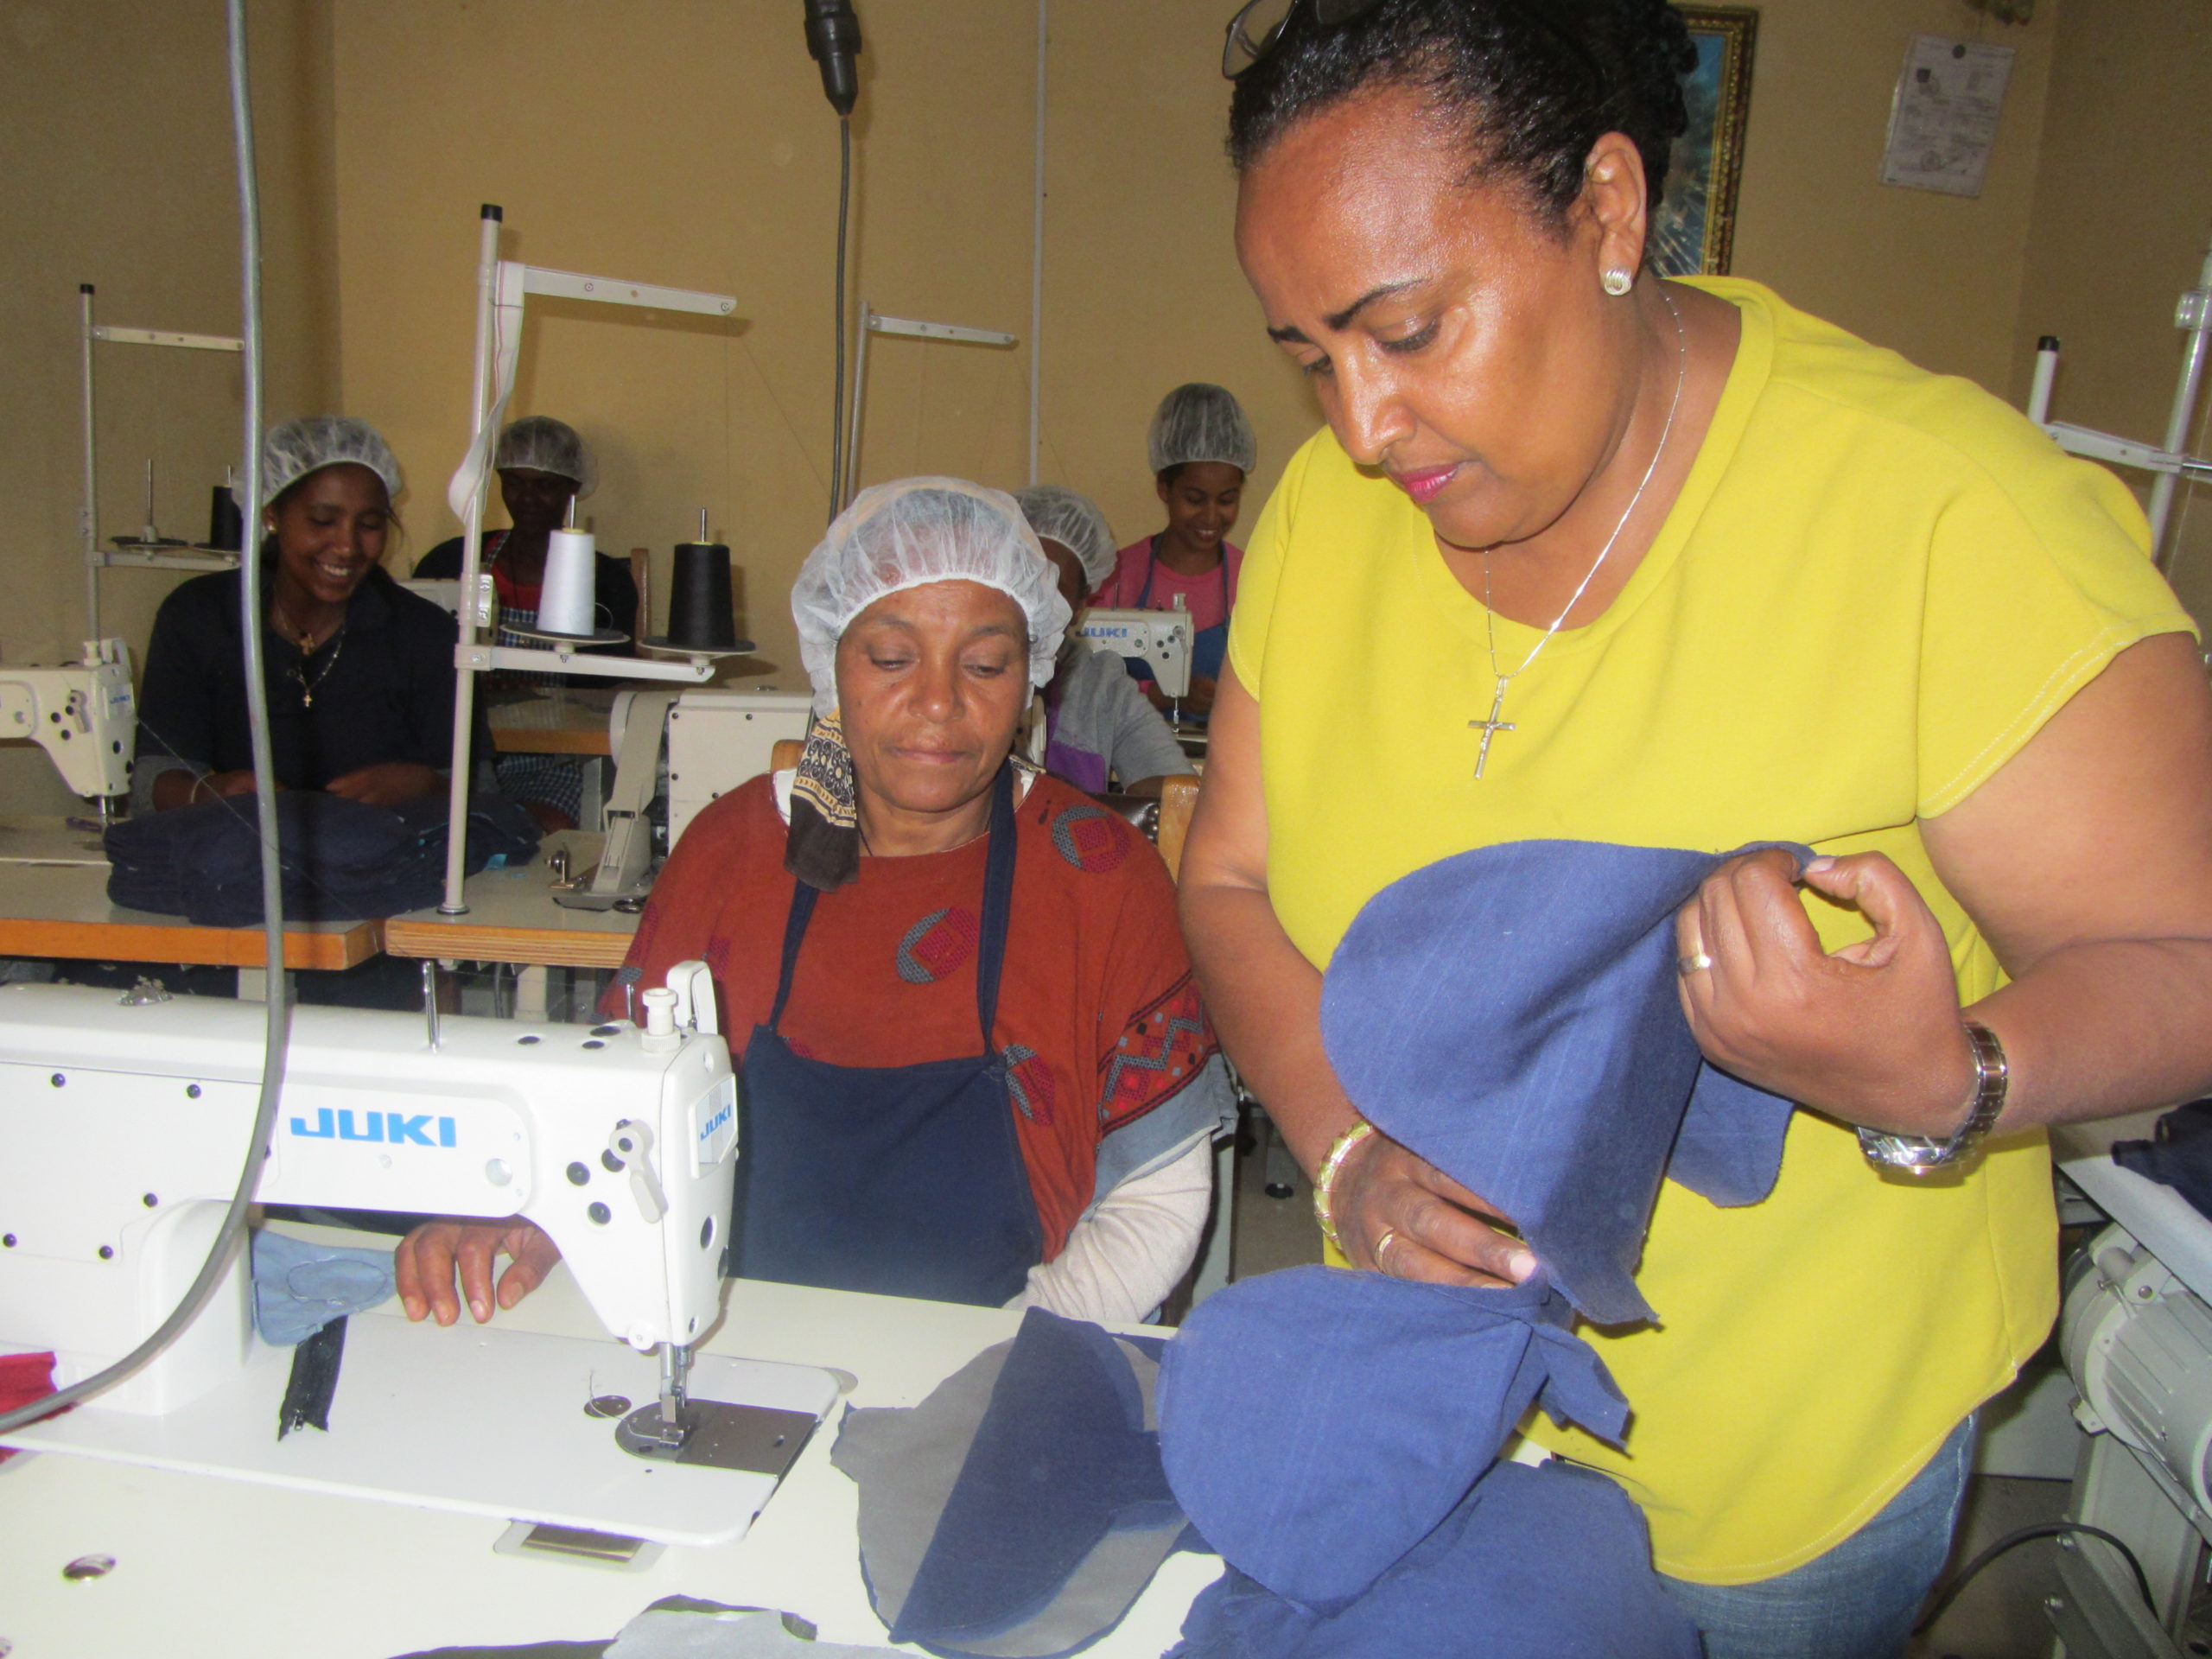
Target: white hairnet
(908, 534)
(1202, 422)
(1059, 514)
(290, 451)
(539, 443)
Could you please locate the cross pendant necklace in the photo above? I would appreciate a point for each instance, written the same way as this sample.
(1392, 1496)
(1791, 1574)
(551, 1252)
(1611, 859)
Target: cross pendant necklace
(1492, 727)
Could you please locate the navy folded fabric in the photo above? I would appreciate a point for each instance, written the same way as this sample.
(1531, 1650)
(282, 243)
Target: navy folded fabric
(341, 860)
(1510, 1014)
(1021, 1508)
(2180, 1156)
(1535, 1563)
(1318, 1424)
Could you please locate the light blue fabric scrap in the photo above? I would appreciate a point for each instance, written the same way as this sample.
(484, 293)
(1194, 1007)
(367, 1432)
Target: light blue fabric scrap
(299, 1287)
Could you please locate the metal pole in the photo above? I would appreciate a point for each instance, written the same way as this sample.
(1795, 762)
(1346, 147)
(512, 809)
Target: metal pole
(2046, 374)
(848, 486)
(88, 516)
(1037, 251)
(2195, 316)
(464, 679)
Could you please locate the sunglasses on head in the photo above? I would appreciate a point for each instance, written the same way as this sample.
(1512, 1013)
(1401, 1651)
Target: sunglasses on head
(1253, 30)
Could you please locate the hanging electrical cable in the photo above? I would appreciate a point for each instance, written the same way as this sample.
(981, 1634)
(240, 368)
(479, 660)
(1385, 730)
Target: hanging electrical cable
(837, 390)
(833, 41)
(231, 1232)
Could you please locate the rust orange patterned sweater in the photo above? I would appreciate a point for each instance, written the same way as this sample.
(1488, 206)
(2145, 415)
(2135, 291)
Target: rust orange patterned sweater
(1098, 1015)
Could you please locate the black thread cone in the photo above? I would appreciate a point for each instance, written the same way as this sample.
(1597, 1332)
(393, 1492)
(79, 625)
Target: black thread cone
(702, 614)
(226, 525)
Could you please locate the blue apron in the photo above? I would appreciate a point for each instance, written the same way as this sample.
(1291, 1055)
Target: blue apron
(1211, 645)
(903, 1180)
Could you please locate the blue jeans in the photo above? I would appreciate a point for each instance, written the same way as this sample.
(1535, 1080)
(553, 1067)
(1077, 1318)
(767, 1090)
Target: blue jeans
(1858, 1600)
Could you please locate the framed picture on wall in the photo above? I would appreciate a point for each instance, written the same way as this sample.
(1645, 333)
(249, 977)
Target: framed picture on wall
(1696, 227)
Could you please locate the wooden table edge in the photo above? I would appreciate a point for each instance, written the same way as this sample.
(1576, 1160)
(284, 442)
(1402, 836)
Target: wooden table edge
(156, 942)
(463, 941)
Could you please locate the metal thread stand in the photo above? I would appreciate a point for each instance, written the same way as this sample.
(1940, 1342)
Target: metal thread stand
(875, 322)
(2169, 464)
(98, 557)
(502, 289)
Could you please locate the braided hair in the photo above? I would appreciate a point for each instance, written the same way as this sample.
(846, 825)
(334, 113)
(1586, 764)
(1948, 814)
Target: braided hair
(1531, 85)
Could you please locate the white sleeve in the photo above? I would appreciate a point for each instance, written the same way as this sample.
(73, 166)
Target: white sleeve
(1133, 1248)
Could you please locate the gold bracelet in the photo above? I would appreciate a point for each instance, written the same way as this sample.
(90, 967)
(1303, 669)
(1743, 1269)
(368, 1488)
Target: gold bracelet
(1324, 1178)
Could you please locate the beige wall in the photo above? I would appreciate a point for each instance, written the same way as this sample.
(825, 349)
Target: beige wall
(2122, 211)
(687, 142)
(120, 172)
(1935, 277)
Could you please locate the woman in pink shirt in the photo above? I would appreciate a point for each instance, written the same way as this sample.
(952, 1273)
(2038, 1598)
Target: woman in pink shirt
(1202, 449)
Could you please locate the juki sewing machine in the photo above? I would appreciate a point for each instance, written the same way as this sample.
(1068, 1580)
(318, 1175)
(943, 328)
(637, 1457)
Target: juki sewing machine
(1159, 639)
(125, 1123)
(81, 714)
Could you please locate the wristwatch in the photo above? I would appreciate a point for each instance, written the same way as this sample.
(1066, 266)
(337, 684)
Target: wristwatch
(1918, 1154)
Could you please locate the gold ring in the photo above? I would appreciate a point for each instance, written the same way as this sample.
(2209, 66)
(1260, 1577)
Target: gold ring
(1389, 1238)
(1693, 964)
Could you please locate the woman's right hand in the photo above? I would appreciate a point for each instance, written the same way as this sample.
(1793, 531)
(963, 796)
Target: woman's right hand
(1430, 1228)
(427, 1259)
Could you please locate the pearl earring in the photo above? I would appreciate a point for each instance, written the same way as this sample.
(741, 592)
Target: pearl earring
(1617, 281)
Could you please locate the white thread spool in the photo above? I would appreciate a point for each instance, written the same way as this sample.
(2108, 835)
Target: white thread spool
(566, 602)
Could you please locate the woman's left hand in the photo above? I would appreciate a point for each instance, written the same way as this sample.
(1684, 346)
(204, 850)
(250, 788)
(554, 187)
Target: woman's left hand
(388, 783)
(1870, 1033)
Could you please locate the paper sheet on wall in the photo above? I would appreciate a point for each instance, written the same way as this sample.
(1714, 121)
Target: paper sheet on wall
(1943, 118)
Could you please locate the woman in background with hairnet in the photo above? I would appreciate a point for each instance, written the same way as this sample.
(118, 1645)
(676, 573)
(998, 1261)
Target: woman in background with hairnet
(1099, 729)
(543, 465)
(977, 1068)
(1202, 450)
(360, 675)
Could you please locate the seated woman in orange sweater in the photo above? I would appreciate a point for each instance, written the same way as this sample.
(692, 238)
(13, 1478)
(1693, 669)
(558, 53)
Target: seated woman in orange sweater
(977, 1068)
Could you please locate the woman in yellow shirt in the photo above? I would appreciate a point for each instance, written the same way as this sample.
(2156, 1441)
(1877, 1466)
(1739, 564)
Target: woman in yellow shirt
(1587, 554)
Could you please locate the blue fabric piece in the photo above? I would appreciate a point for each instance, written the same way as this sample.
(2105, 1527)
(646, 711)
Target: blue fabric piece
(342, 860)
(299, 1287)
(1510, 1014)
(2180, 1156)
(1021, 1508)
(1535, 1563)
(1318, 1424)
(1061, 1457)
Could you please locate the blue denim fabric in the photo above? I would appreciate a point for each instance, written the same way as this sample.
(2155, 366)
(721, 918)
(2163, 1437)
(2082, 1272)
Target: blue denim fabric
(1858, 1600)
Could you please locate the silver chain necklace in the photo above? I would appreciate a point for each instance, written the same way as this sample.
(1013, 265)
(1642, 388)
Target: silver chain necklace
(1494, 724)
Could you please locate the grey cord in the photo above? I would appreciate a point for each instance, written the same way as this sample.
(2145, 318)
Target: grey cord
(257, 707)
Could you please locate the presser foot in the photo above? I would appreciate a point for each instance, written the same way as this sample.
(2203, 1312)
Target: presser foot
(715, 1434)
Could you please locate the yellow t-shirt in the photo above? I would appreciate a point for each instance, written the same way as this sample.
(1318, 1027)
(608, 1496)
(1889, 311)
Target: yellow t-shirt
(1875, 587)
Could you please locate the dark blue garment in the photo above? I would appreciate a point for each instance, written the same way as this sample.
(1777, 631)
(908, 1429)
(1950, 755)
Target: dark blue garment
(1021, 1508)
(2180, 1156)
(1318, 1424)
(1511, 1015)
(903, 1180)
(343, 861)
(1546, 1563)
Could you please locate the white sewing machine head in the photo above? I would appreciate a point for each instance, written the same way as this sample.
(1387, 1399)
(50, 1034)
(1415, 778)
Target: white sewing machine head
(1161, 639)
(81, 714)
(126, 1127)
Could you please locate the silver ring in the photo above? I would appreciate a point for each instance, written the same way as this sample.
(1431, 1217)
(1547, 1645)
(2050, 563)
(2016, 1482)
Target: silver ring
(1694, 964)
(1389, 1238)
